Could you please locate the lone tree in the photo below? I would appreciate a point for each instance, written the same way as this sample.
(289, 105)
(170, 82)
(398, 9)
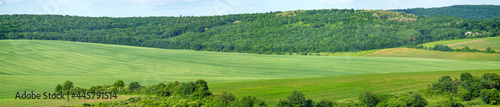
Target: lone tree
(296, 98)
(368, 98)
(67, 85)
(466, 77)
(134, 85)
(119, 83)
(59, 88)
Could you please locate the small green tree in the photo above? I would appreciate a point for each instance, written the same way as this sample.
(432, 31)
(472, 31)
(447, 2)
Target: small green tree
(283, 103)
(464, 94)
(466, 77)
(225, 99)
(59, 88)
(119, 83)
(368, 98)
(325, 103)
(67, 85)
(296, 98)
(134, 85)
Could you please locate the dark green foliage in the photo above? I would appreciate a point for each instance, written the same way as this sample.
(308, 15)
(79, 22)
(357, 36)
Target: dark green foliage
(494, 97)
(474, 12)
(134, 85)
(466, 77)
(68, 85)
(225, 99)
(250, 101)
(490, 96)
(284, 103)
(410, 99)
(446, 48)
(201, 88)
(445, 84)
(119, 83)
(296, 98)
(368, 98)
(469, 87)
(325, 103)
(491, 80)
(59, 88)
(464, 94)
(450, 102)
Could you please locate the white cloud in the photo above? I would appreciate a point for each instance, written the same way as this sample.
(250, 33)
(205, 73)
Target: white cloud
(0, 2)
(335, 1)
(12, 1)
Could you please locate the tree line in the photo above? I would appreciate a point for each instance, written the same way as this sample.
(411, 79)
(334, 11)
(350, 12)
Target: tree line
(300, 31)
(473, 12)
(467, 90)
(447, 48)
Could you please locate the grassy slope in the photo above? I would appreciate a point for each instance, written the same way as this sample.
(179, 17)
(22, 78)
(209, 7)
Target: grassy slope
(336, 87)
(421, 53)
(37, 65)
(480, 43)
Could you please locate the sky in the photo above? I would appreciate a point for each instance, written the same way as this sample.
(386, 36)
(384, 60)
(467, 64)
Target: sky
(135, 8)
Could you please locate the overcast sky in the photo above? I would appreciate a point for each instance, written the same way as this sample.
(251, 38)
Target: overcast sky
(129, 8)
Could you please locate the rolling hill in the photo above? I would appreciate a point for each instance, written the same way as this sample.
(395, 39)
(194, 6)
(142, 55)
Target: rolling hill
(38, 65)
(421, 53)
(480, 43)
(281, 32)
(473, 12)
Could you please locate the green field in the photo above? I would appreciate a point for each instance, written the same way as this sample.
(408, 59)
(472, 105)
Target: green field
(337, 87)
(480, 43)
(421, 53)
(38, 65)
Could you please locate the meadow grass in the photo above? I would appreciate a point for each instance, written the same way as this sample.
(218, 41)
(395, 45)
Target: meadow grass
(479, 43)
(38, 65)
(337, 88)
(422, 53)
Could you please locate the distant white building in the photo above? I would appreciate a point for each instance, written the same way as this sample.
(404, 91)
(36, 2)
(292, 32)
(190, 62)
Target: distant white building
(469, 34)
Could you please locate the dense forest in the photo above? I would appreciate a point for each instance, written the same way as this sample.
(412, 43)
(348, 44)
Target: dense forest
(300, 31)
(473, 12)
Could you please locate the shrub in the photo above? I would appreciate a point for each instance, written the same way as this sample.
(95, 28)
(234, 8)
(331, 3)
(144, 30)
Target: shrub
(464, 94)
(283, 103)
(296, 98)
(466, 77)
(67, 85)
(59, 88)
(119, 83)
(409, 99)
(134, 85)
(368, 98)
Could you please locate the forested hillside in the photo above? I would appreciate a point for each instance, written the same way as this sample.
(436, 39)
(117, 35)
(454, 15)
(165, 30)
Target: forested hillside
(473, 12)
(301, 31)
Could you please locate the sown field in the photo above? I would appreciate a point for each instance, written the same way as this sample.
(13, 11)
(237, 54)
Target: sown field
(38, 65)
(480, 43)
(421, 53)
(337, 87)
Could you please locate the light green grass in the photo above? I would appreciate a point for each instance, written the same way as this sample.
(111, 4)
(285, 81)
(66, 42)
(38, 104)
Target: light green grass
(422, 53)
(38, 65)
(336, 87)
(479, 43)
